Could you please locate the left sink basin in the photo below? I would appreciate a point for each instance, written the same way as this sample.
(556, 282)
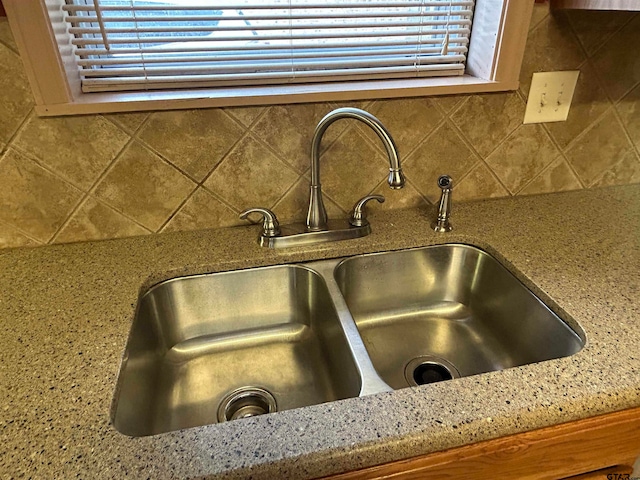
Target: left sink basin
(217, 347)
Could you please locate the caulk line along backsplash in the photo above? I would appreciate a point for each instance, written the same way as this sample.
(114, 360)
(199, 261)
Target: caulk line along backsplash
(143, 173)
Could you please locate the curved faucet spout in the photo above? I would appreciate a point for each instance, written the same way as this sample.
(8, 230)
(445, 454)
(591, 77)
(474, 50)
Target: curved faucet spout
(317, 215)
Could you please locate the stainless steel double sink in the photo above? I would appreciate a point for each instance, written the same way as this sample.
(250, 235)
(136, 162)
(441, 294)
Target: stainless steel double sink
(217, 347)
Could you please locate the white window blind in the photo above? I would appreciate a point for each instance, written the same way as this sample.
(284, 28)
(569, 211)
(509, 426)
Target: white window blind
(152, 44)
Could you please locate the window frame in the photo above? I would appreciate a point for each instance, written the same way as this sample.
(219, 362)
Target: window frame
(493, 65)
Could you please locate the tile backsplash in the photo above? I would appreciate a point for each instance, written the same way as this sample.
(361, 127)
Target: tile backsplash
(142, 173)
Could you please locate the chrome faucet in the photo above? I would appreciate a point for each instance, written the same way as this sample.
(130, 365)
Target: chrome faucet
(317, 215)
(317, 228)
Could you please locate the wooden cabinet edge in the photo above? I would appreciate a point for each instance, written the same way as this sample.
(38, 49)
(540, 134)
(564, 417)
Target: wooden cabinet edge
(554, 452)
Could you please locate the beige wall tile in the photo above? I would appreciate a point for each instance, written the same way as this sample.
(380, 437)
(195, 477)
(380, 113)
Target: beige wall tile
(251, 176)
(618, 62)
(551, 46)
(595, 27)
(487, 120)
(11, 237)
(479, 183)
(558, 177)
(599, 149)
(408, 120)
(144, 187)
(33, 199)
(193, 140)
(77, 148)
(201, 211)
(351, 168)
(294, 205)
(589, 102)
(129, 122)
(629, 110)
(288, 129)
(540, 12)
(522, 156)
(406, 197)
(444, 152)
(6, 36)
(245, 115)
(448, 103)
(622, 173)
(15, 95)
(96, 221)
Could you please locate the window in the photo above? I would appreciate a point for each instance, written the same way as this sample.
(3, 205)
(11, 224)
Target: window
(159, 44)
(87, 56)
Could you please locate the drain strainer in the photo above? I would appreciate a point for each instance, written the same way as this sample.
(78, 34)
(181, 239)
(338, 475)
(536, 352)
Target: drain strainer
(429, 369)
(246, 402)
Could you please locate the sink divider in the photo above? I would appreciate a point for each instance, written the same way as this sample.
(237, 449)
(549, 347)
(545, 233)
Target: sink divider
(371, 381)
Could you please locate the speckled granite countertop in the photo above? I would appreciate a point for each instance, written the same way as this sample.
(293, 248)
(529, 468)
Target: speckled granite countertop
(65, 314)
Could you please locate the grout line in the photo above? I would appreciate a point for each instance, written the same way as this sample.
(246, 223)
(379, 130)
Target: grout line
(601, 176)
(177, 210)
(20, 128)
(108, 118)
(278, 155)
(90, 192)
(603, 41)
(289, 189)
(563, 152)
(20, 230)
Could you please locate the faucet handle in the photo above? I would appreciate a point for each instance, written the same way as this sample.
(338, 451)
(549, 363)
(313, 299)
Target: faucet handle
(357, 218)
(270, 225)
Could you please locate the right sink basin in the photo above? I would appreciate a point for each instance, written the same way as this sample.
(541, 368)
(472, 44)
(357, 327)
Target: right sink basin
(445, 311)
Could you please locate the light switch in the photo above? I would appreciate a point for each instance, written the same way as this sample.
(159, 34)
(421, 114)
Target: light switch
(550, 96)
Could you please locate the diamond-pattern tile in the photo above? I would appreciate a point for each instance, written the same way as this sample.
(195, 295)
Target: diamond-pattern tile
(95, 221)
(479, 183)
(351, 168)
(486, 120)
(33, 199)
(618, 62)
(15, 94)
(202, 210)
(540, 12)
(42, 159)
(599, 149)
(558, 177)
(444, 152)
(77, 148)
(193, 140)
(589, 102)
(251, 176)
(595, 27)
(406, 197)
(144, 187)
(288, 129)
(629, 110)
(294, 205)
(129, 122)
(11, 237)
(245, 115)
(408, 121)
(522, 156)
(622, 173)
(6, 36)
(542, 53)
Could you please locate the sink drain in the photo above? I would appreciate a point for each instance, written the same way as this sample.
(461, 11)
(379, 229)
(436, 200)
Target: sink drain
(246, 402)
(429, 369)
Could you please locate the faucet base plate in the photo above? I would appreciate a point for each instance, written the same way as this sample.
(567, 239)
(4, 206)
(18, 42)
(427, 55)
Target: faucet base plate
(296, 235)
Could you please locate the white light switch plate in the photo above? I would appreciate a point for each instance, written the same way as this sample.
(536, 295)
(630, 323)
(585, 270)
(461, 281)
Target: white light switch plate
(550, 96)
